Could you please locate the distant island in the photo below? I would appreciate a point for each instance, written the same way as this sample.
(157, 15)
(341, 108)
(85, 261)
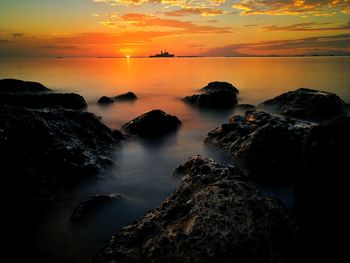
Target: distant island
(162, 54)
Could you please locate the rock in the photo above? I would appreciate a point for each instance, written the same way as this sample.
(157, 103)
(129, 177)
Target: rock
(45, 100)
(215, 95)
(90, 206)
(246, 107)
(129, 96)
(306, 104)
(152, 124)
(322, 195)
(211, 217)
(20, 86)
(105, 100)
(266, 147)
(44, 152)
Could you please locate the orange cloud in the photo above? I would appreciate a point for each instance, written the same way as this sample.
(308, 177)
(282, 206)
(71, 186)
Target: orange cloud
(310, 26)
(293, 7)
(183, 27)
(204, 11)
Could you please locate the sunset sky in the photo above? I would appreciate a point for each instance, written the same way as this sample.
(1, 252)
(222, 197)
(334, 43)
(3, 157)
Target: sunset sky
(90, 28)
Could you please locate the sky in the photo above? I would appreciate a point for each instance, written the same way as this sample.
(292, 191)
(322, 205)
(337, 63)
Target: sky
(112, 28)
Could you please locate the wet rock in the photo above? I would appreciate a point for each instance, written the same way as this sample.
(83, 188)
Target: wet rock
(44, 152)
(266, 147)
(129, 96)
(152, 124)
(246, 107)
(306, 104)
(215, 95)
(105, 100)
(91, 206)
(211, 217)
(20, 86)
(322, 195)
(45, 100)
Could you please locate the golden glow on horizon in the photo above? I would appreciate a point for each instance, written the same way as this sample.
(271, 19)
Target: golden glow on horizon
(91, 28)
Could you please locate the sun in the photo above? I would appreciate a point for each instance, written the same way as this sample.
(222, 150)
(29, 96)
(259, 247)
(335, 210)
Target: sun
(128, 56)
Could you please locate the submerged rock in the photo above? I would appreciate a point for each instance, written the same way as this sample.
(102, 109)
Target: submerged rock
(266, 147)
(152, 124)
(20, 86)
(105, 100)
(44, 100)
(129, 96)
(306, 104)
(90, 207)
(211, 217)
(215, 95)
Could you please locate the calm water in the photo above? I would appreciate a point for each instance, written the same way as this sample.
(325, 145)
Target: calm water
(143, 170)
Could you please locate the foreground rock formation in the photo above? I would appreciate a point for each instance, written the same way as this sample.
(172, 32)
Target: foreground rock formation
(152, 124)
(43, 152)
(306, 104)
(212, 217)
(215, 95)
(263, 145)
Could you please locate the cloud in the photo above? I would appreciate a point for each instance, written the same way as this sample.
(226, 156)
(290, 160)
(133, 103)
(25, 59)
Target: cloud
(181, 27)
(310, 26)
(178, 3)
(204, 11)
(291, 46)
(293, 7)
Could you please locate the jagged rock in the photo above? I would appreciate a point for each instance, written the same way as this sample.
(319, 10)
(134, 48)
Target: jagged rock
(90, 207)
(43, 152)
(215, 95)
(20, 86)
(44, 100)
(126, 96)
(152, 124)
(266, 147)
(105, 100)
(211, 217)
(306, 104)
(322, 194)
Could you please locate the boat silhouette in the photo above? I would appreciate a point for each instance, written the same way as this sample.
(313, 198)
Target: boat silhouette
(162, 54)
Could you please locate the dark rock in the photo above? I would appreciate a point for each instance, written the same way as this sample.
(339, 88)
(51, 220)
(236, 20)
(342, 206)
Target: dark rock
(129, 96)
(45, 100)
(266, 147)
(197, 164)
(215, 95)
(20, 86)
(211, 217)
(153, 123)
(44, 152)
(306, 104)
(105, 100)
(322, 195)
(90, 206)
(246, 107)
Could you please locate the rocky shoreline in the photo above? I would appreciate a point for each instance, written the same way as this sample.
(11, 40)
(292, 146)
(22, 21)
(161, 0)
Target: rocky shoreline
(49, 143)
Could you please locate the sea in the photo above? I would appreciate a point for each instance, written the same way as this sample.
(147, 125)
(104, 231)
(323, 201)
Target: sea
(143, 170)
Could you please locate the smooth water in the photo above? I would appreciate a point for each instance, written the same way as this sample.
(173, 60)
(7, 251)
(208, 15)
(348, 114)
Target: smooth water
(143, 168)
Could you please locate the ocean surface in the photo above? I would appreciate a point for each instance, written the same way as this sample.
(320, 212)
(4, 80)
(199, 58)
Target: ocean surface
(143, 168)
